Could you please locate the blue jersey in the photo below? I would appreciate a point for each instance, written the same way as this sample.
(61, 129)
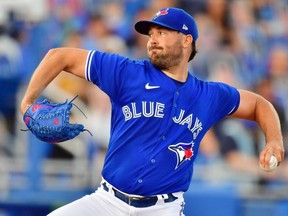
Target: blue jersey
(156, 124)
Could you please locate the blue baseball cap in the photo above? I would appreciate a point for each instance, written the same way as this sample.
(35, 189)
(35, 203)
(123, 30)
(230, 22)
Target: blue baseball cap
(171, 18)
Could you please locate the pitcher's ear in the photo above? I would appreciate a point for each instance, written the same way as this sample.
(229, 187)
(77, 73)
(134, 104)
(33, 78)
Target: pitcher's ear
(188, 40)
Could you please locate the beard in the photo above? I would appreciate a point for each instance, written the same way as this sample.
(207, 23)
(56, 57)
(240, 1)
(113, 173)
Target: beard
(163, 59)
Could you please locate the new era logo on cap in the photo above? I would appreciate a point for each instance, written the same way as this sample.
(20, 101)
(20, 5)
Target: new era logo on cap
(171, 18)
(184, 27)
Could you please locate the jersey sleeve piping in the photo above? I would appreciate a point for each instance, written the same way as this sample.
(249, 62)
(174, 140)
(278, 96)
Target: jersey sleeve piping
(232, 111)
(88, 65)
(236, 106)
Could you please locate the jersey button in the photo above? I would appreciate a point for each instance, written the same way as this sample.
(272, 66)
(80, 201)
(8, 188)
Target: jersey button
(140, 181)
(153, 160)
(175, 105)
(177, 92)
(163, 137)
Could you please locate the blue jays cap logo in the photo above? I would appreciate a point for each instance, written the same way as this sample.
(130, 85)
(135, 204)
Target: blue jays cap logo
(161, 13)
(183, 152)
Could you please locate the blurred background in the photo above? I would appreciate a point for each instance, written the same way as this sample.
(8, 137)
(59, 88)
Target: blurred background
(241, 42)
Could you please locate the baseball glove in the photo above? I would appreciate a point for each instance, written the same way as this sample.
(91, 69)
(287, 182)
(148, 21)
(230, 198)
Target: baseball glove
(49, 122)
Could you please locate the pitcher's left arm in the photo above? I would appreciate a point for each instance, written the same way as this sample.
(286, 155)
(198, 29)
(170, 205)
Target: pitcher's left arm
(256, 108)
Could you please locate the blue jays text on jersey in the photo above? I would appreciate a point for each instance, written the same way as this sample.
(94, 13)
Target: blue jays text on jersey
(156, 124)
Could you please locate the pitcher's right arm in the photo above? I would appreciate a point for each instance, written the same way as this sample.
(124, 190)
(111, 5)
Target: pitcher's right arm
(71, 60)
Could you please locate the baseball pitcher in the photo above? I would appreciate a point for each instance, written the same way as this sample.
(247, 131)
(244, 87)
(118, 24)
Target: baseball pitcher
(160, 113)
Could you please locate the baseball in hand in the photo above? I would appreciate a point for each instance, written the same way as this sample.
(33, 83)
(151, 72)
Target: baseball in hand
(272, 164)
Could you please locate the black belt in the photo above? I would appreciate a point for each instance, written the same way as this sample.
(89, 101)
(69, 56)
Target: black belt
(139, 202)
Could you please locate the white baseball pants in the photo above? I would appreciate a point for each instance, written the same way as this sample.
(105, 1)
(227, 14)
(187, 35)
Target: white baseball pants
(103, 203)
